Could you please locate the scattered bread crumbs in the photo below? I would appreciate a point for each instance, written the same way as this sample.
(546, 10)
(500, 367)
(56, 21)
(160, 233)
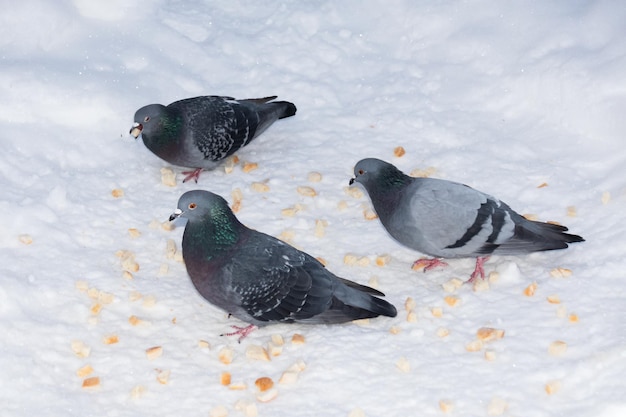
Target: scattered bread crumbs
(267, 396)
(606, 197)
(287, 235)
(409, 304)
(289, 211)
(395, 330)
(560, 272)
(321, 260)
(349, 259)
(490, 355)
(480, 285)
(436, 311)
(154, 352)
(127, 275)
(260, 187)
(136, 321)
(530, 216)
(497, 406)
(448, 286)
(320, 227)
(163, 376)
(297, 339)
(298, 366)
(258, 353)
(288, 378)
(403, 365)
(573, 318)
(373, 282)
(26, 239)
(128, 260)
(84, 371)
(542, 185)
(230, 163)
(306, 191)
(557, 348)
(96, 309)
(342, 205)
(382, 260)
(446, 406)
(238, 386)
(474, 345)
(273, 349)
(452, 300)
(363, 261)
(203, 344)
(249, 167)
(168, 226)
(493, 277)
(530, 290)
(399, 151)
(571, 211)
(168, 177)
(488, 334)
(117, 193)
(361, 322)
(411, 317)
(422, 173)
(277, 339)
(91, 382)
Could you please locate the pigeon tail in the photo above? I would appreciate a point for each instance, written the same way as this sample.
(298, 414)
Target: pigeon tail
(287, 109)
(533, 236)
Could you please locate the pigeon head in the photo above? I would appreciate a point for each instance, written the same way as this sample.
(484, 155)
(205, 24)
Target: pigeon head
(198, 205)
(378, 175)
(147, 120)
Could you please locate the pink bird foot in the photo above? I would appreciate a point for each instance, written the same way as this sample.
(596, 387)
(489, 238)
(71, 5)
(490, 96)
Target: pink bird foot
(195, 175)
(478, 270)
(242, 332)
(426, 264)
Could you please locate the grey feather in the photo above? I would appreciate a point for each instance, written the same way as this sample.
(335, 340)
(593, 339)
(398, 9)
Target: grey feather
(198, 132)
(260, 279)
(446, 219)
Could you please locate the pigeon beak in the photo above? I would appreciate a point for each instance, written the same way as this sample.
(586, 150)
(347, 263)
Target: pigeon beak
(136, 129)
(176, 214)
(352, 181)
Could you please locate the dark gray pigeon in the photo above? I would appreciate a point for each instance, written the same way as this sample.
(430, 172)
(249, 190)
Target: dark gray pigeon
(260, 279)
(198, 132)
(446, 219)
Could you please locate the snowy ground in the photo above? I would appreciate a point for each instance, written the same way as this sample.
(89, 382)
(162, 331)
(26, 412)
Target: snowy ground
(524, 100)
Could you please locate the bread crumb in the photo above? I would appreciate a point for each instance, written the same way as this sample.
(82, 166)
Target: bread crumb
(320, 227)
(480, 285)
(373, 282)
(95, 309)
(249, 167)
(530, 290)
(452, 300)
(314, 176)
(560, 272)
(321, 260)
(561, 312)
(552, 387)
(409, 304)
(363, 261)
(203, 344)
(225, 378)
(168, 177)
(382, 260)
(248, 408)
(395, 330)
(297, 339)
(403, 365)
(306, 191)
(163, 377)
(488, 334)
(267, 396)
(490, 355)
(443, 332)
(26, 239)
(446, 406)
(411, 317)
(273, 349)
(342, 205)
(573, 318)
(277, 339)
(531, 217)
(542, 185)
(127, 275)
(369, 214)
(226, 354)
(257, 352)
(154, 352)
(84, 371)
(136, 321)
(496, 407)
(436, 311)
(238, 386)
(474, 345)
(606, 197)
(349, 259)
(149, 301)
(80, 349)
(571, 211)
(111, 340)
(260, 187)
(91, 382)
(264, 383)
(137, 392)
(399, 151)
(557, 348)
(82, 286)
(353, 192)
(287, 235)
(218, 411)
(168, 226)
(298, 366)
(117, 193)
(493, 277)
(448, 286)
(289, 212)
(134, 296)
(554, 299)
(288, 378)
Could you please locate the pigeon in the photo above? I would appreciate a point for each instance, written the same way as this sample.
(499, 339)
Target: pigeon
(198, 132)
(260, 279)
(446, 219)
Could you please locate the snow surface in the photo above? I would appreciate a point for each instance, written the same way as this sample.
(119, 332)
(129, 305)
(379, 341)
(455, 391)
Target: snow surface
(504, 96)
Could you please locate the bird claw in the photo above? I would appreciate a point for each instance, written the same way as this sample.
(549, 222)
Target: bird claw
(195, 175)
(242, 332)
(478, 270)
(427, 264)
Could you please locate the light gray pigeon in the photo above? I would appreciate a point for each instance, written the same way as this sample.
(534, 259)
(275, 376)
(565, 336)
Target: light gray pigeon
(198, 132)
(260, 279)
(446, 219)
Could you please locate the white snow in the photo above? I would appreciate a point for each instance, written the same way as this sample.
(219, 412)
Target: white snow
(503, 96)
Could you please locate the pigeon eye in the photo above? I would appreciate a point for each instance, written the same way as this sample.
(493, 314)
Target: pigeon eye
(146, 119)
(361, 172)
(192, 206)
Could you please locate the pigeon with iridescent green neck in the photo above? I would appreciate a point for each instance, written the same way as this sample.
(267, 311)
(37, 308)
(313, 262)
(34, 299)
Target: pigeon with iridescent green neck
(260, 279)
(446, 219)
(199, 132)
